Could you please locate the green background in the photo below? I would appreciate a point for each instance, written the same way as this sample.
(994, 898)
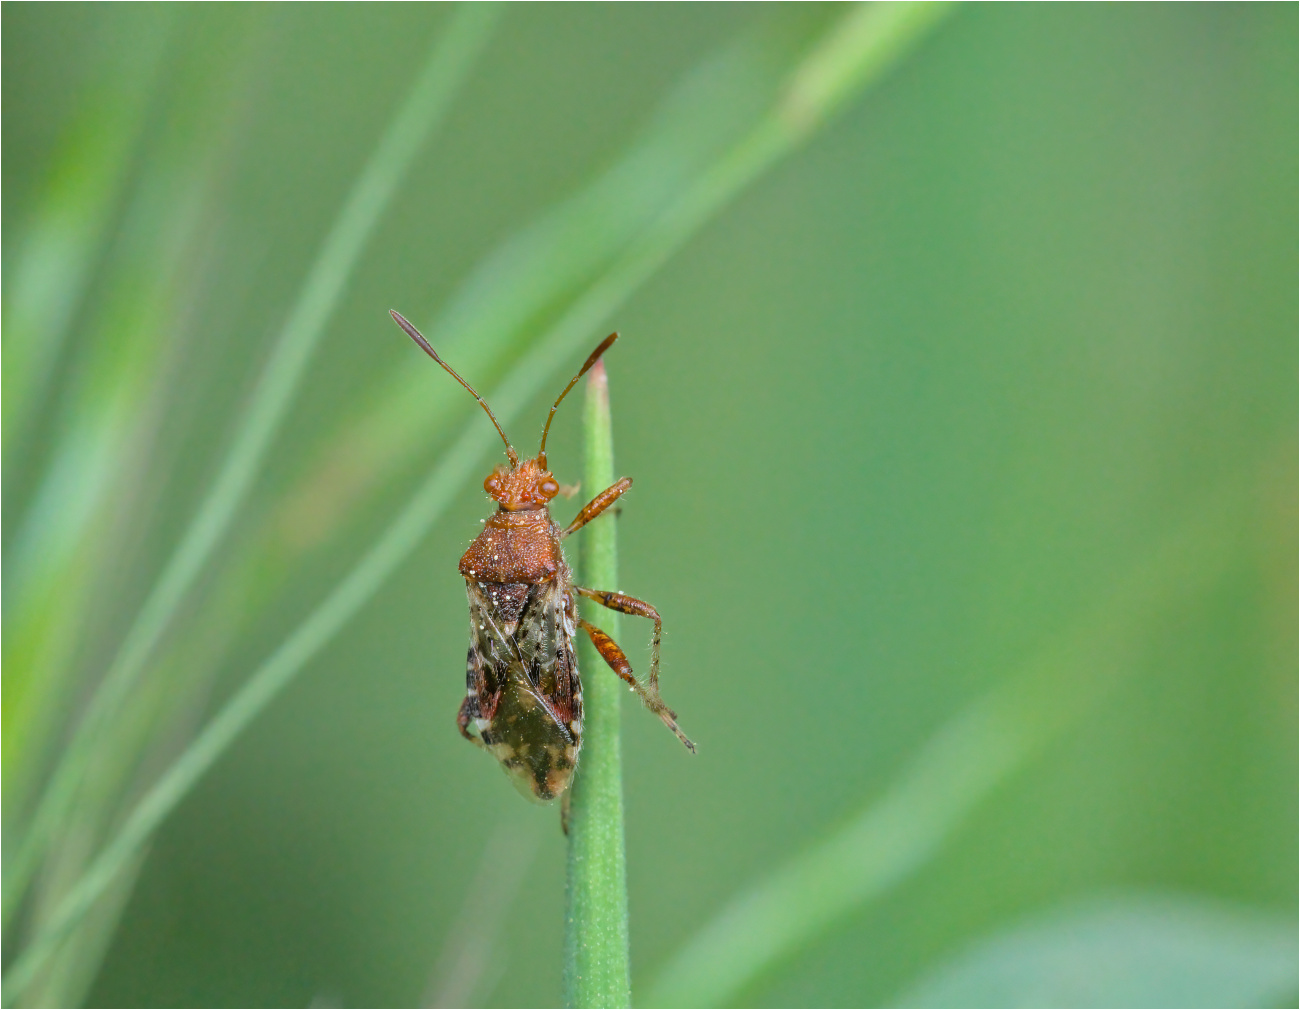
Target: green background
(900, 418)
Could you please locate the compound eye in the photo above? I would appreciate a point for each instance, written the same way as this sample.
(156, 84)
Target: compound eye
(549, 488)
(492, 484)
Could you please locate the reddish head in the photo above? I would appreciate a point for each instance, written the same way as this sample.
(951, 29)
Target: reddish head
(524, 486)
(527, 484)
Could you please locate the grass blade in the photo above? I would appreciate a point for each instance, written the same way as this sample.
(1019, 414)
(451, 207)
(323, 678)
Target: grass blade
(595, 918)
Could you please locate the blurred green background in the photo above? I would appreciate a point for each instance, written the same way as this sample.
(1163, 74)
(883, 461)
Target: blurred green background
(990, 382)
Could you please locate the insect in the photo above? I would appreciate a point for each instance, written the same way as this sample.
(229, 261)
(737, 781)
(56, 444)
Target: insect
(523, 698)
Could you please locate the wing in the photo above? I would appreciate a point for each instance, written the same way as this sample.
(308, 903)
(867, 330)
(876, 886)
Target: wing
(523, 672)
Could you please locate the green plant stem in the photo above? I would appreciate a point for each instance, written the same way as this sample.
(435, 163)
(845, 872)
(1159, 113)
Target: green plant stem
(446, 67)
(595, 916)
(778, 133)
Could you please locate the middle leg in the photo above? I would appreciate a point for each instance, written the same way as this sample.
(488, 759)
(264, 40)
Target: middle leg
(637, 608)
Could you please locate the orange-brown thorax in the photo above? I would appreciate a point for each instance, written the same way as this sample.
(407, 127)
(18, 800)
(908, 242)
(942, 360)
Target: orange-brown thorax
(519, 543)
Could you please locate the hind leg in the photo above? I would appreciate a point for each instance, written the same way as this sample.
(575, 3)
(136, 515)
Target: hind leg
(468, 712)
(649, 693)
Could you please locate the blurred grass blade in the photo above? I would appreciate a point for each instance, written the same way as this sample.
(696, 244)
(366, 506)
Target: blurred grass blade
(449, 62)
(892, 838)
(870, 40)
(779, 132)
(1127, 950)
(98, 434)
(467, 966)
(596, 972)
(69, 224)
(955, 771)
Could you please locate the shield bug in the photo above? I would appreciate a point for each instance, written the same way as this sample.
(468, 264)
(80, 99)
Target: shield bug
(523, 700)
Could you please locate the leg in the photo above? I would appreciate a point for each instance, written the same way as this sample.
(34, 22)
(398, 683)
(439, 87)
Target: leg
(468, 710)
(637, 608)
(617, 661)
(598, 505)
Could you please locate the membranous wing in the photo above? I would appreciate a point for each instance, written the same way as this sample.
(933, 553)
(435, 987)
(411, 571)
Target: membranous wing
(522, 681)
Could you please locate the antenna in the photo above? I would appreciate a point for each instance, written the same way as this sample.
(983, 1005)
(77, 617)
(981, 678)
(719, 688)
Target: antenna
(591, 360)
(415, 335)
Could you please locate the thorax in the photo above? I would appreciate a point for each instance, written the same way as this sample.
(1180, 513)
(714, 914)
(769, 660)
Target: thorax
(515, 547)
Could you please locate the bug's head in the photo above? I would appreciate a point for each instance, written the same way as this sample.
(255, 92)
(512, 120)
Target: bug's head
(520, 488)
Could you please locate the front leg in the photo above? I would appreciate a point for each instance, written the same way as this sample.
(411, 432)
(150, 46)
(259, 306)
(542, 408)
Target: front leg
(598, 505)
